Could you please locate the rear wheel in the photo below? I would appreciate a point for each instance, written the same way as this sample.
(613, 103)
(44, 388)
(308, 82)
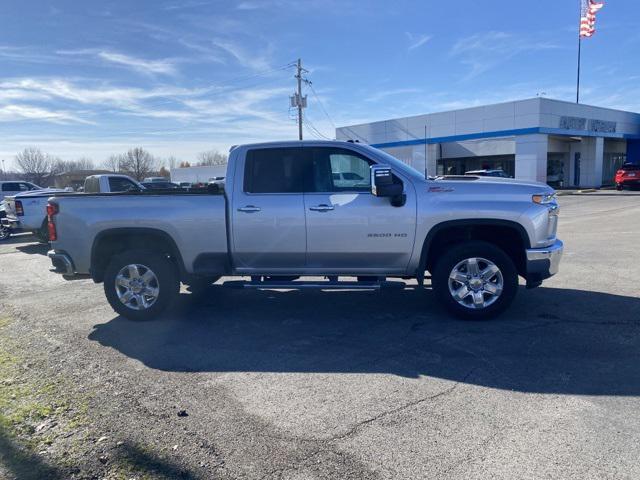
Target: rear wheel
(140, 285)
(5, 232)
(199, 285)
(475, 280)
(619, 186)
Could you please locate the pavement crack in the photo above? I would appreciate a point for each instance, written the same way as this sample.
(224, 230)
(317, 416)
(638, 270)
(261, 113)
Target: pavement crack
(358, 426)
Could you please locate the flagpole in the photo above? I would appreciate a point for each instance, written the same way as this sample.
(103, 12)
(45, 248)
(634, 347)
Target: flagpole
(579, 58)
(579, 50)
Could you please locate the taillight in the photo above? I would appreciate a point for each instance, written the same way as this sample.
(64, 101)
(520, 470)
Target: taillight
(52, 210)
(19, 209)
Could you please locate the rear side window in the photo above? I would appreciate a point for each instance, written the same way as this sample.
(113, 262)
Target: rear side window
(10, 187)
(120, 184)
(274, 170)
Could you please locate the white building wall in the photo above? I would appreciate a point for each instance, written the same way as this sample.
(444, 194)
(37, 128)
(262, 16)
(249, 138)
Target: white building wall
(531, 157)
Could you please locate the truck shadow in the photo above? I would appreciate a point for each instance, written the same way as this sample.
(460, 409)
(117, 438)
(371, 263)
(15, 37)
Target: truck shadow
(551, 341)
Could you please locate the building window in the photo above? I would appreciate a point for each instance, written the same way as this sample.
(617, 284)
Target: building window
(459, 166)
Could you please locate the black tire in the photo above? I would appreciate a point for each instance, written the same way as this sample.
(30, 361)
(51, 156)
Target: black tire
(478, 249)
(619, 187)
(167, 281)
(5, 233)
(43, 232)
(200, 285)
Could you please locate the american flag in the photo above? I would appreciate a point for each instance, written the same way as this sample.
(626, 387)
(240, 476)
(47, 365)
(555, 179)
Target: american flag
(588, 17)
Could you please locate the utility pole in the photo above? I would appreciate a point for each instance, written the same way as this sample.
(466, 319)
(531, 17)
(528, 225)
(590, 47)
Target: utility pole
(297, 100)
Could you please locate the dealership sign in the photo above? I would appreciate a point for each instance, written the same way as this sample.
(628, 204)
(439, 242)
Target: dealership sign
(591, 125)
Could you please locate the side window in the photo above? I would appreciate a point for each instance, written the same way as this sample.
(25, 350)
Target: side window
(24, 187)
(10, 187)
(119, 184)
(274, 170)
(340, 170)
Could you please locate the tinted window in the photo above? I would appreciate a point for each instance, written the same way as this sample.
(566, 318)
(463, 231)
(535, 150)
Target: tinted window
(274, 170)
(25, 187)
(119, 184)
(340, 170)
(10, 187)
(629, 167)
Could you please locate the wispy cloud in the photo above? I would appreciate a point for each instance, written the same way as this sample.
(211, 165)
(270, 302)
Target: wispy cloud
(14, 112)
(246, 58)
(164, 66)
(417, 40)
(484, 51)
(376, 97)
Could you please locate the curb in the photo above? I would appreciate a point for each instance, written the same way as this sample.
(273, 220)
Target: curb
(576, 192)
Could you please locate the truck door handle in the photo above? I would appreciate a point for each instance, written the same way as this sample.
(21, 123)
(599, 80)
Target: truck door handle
(322, 208)
(249, 209)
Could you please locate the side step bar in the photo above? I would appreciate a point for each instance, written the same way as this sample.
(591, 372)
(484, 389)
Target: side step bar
(329, 285)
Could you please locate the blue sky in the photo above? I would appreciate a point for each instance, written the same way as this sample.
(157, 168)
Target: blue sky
(181, 76)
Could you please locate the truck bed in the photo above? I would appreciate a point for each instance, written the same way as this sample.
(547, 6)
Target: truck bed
(196, 222)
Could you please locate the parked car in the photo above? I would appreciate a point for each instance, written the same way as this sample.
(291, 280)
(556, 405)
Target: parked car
(154, 179)
(282, 217)
(489, 173)
(5, 232)
(628, 176)
(185, 185)
(26, 212)
(14, 187)
(160, 185)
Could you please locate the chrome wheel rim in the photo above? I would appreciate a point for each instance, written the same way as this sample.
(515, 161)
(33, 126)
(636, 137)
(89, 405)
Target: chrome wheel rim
(4, 233)
(137, 286)
(476, 283)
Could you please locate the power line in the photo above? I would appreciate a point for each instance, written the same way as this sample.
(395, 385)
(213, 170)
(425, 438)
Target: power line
(313, 90)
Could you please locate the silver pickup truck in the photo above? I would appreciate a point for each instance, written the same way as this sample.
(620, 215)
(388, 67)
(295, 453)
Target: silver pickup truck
(314, 209)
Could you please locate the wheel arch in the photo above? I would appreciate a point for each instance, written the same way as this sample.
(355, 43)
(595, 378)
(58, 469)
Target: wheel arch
(118, 240)
(506, 234)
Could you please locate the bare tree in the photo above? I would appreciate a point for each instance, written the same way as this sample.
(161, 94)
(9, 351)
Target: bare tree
(113, 163)
(211, 157)
(138, 163)
(172, 162)
(35, 165)
(61, 166)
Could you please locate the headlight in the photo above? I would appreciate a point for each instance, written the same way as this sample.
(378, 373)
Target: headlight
(544, 198)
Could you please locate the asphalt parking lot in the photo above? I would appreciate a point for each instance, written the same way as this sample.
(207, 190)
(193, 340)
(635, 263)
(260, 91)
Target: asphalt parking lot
(305, 385)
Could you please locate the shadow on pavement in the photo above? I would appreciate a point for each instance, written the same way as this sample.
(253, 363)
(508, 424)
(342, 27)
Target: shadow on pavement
(34, 248)
(550, 341)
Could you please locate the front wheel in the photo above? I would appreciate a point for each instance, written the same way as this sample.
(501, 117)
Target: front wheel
(475, 280)
(140, 285)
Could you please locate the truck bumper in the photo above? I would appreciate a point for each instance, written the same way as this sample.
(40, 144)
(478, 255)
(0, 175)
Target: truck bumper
(543, 263)
(61, 262)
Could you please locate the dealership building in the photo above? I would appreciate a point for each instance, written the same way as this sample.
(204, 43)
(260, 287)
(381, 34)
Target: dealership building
(561, 143)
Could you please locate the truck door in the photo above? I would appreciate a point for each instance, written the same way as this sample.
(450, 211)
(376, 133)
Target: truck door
(267, 212)
(348, 229)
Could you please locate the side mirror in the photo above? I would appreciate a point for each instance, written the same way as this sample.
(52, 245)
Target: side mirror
(383, 185)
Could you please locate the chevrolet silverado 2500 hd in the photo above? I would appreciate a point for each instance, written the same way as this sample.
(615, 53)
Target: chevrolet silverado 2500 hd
(328, 209)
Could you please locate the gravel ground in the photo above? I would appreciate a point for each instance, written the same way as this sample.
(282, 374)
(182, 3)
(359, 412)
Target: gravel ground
(305, 385)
